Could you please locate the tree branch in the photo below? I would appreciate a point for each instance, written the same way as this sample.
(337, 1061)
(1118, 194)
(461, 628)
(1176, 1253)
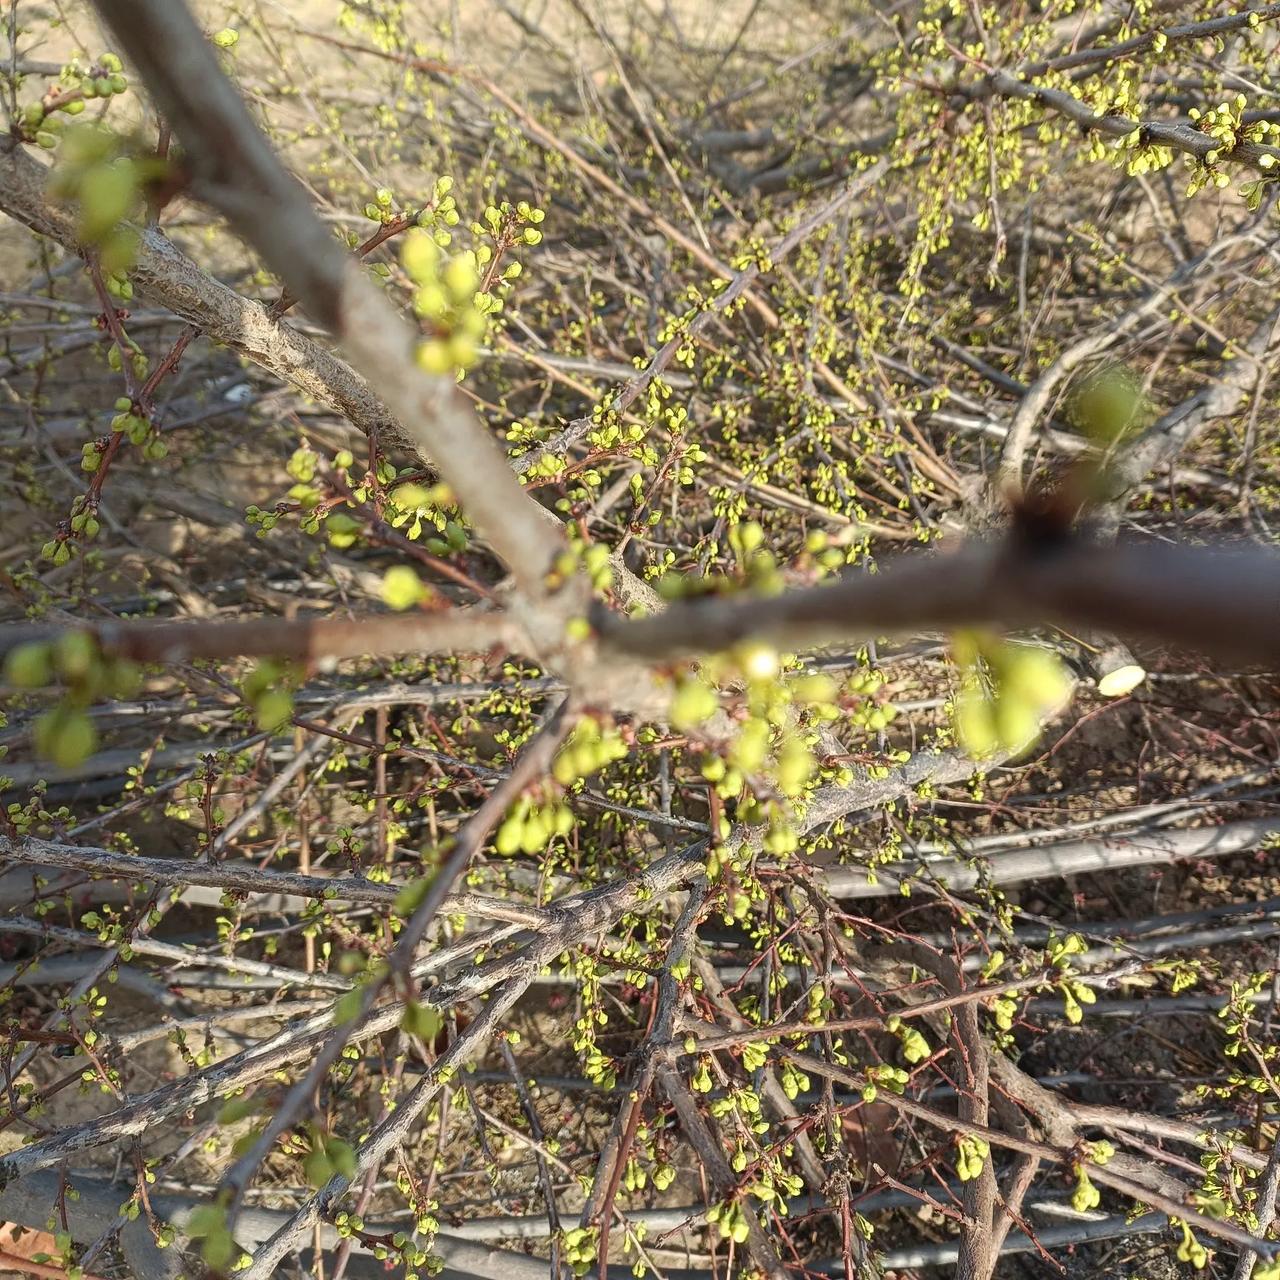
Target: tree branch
(1036, 400)
(235, 170)
(302, 639)
(168, 277)
(234, 877)
(1222, 602)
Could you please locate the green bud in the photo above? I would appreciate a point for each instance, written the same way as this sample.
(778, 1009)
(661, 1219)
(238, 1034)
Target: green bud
(317, 1168)
(123, 678)
(29, 666)
(106, 194)
(421, 1020)
(693, 704)
(65, 737)
(1106, 403)
(74, 654)
(510, 836)
(975, 725)
(273, 709)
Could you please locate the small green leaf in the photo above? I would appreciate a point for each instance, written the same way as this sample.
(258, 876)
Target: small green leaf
(29, 666)
(410, 898)
(347, 1006)
(421, 1020)
(402, 588)
(273, 709)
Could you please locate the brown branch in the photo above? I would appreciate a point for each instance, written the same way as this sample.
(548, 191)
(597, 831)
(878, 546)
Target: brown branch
(706, 1145)
(1222, 602)
(302, 639)
(614, 1153)
(979, 1249)
(1019, 1181)
(166, 275)
(29, 1267)
(234, 169)
(1264, 1209)
(1178, 428)
(235, 877)
(576, 917)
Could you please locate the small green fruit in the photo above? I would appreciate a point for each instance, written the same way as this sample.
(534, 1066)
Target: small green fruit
(65, 737)
(29, 666)
(274, 709)
(74, 653)
(975, 725)
(1106, 403)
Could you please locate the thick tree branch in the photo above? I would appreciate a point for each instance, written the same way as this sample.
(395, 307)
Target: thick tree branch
(171, 279)
(1067, 858)
(1176, 136)
(235, 170)
(303, 639)
(1222, 602)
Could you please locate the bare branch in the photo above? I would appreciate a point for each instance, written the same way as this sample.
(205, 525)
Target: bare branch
(1040, 393)
(233, 877)
(303, 639)
(235, 170)
(1223, 602)
(167, 276)
(1068, 858)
